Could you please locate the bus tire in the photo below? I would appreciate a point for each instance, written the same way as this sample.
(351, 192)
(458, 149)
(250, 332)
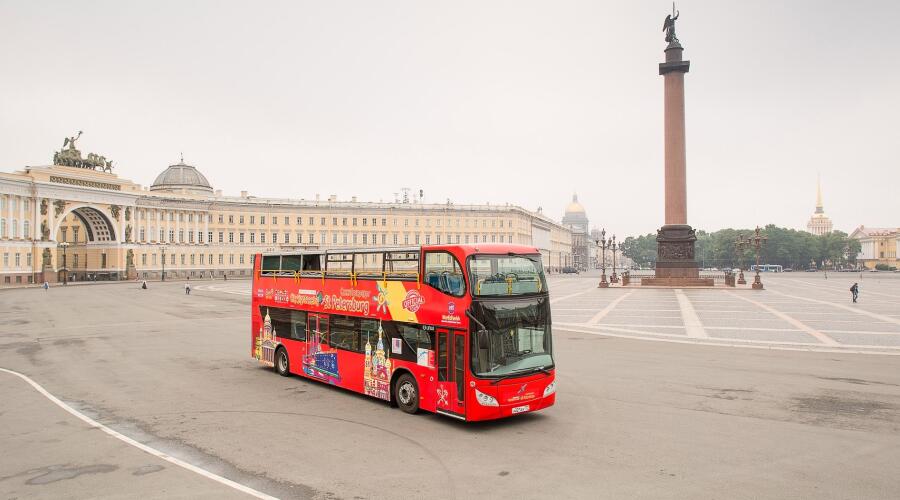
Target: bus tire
(282, 362)
(406, 393)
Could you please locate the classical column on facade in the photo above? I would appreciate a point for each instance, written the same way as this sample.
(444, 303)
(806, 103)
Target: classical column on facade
(51, 218)
(198, 239)
(36, 220)
(8, 214)
(21, 231)
(675, 264)
(120, 226)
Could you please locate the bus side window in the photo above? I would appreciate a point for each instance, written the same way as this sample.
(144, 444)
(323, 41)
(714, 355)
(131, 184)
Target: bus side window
(281, 320)
(345, 333)
(290, 263)
(368, 332)
(271, 264)
(312, 262)
(442, 271)
(412, 338)
(442, 356)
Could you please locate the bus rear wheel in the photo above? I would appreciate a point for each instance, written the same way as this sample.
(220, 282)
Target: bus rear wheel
(282, 363)
(406, 393)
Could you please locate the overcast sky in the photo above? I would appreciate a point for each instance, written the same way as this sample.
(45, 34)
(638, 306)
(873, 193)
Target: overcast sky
(476, 101)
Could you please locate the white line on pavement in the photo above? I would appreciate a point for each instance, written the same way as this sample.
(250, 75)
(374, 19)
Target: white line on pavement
(882, 317)
(564, 297)
(821, 337)
(707, 327)
(692, 324)
(609, 307)
(747, 344)
(141, 446)
(840, 288)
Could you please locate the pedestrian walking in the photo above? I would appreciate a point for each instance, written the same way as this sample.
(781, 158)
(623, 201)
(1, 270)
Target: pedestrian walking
(854, 291)
(46, 285)
(187, 288)
(144, 285)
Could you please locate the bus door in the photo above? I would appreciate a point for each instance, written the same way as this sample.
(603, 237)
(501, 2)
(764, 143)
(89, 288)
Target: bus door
(317, 332)
(451, 352)
(320, 360)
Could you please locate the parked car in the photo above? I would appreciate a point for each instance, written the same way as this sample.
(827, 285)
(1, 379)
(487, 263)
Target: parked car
(812, 270)
(788, 270)
(569, 270)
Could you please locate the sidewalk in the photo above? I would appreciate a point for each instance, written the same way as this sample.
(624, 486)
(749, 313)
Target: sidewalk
(120, 282)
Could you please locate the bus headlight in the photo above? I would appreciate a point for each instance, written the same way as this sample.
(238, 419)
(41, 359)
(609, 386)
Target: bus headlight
(485, 400)
(550, 389)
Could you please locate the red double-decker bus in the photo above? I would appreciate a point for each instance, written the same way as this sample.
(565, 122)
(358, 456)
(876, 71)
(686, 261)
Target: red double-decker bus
(461, 330)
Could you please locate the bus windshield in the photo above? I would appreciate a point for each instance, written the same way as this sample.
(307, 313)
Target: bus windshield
(502, 275)
(511, 337)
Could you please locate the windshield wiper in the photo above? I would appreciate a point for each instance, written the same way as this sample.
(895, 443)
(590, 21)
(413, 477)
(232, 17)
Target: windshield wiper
(518, 373)
(542, 369)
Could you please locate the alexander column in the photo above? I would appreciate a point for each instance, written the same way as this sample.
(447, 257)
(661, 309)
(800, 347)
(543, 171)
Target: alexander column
(675, 264)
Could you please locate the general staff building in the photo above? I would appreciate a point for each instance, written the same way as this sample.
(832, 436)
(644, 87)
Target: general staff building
(64, 222)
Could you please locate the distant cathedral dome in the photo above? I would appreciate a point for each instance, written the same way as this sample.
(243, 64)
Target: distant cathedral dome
(575, 216)
(181, 178)
(574, 207)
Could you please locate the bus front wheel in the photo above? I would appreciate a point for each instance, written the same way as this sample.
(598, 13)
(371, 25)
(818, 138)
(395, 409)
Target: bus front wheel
(282, 363)
(406, 393)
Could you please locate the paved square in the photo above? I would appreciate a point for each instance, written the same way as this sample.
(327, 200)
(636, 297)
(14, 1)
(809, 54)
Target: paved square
(792, 391)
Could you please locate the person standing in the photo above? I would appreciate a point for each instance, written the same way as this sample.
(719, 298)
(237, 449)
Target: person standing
(854, 291)
(187, 288)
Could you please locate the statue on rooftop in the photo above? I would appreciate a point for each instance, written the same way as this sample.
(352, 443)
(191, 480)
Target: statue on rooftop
(669, 25)
(70, 141)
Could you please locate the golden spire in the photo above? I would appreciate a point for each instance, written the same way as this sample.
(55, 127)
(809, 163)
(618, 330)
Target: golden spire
(820, 209)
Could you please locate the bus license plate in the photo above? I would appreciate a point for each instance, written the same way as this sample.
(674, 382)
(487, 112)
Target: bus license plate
(520, 409)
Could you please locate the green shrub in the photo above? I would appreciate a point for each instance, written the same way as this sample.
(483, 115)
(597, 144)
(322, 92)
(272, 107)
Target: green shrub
(883, 267)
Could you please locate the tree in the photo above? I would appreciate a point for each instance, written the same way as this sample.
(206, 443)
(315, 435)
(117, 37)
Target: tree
(785, 247)
(641, 250)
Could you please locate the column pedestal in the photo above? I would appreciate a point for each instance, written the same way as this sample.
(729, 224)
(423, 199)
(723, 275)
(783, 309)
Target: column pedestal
(48, 275)
(675, 264)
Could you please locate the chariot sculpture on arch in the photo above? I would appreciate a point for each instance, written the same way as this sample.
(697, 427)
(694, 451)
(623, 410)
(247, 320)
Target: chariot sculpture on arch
(70, 156)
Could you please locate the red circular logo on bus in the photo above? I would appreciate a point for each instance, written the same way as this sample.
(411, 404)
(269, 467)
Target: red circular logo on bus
(413, 301)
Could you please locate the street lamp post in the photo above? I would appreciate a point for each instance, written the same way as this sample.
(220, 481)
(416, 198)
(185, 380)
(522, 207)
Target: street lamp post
(65, 266)
(603, 243)
(757, 241)
(614, 278)
(739, 244)
(163, 248)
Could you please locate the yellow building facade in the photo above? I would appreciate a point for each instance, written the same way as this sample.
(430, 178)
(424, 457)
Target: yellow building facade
(67, 222)
(878, 245)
